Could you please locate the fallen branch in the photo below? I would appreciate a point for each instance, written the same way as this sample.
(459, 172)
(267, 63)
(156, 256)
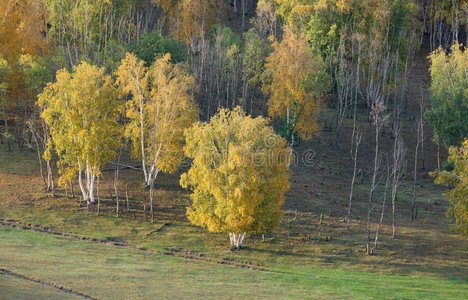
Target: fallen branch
(158, 229)
(123, 167)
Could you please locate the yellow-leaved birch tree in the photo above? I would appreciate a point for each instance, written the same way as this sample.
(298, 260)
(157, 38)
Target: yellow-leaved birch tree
(295, 80)
(239, 175)
(160, 108)
(81, 109)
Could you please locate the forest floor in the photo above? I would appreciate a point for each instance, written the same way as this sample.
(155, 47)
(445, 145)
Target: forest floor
(57, 240)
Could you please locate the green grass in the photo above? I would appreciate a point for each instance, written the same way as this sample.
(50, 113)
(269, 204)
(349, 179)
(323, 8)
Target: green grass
(17, 161)
(12, 288)
(441, 254)
(111, 272)
(426, 260)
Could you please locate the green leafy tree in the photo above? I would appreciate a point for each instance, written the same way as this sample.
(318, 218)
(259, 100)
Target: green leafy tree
(239, 174)
(457, 179)
(37, 73)
(255, 52)
(152, 46)
(36, 70)
(449, 88)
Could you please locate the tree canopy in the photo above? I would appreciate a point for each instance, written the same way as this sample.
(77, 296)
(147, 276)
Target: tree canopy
(81, 109)
(457, 179)
(296, 82)
(238, 176)
(161, 107)
(449, 90)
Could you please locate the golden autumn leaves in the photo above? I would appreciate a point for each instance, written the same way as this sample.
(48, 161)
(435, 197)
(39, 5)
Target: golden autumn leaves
(238, 177)
(296, 82)
(81, 110)
(83, 106)
(160, 109)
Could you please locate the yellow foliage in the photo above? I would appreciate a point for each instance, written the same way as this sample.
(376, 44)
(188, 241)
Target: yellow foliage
(21, 31)
(81, 109)
(190, 19)
(239, 173)
(296, 83)
(161, 107)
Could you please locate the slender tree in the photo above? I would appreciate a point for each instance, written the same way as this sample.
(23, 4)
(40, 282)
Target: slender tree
(398, 169)
(379, 118)
(160, 109)
(356, 142)
(384, 202)
(4, 68)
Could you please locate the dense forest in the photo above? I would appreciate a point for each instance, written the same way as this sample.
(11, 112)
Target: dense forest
(85, 83)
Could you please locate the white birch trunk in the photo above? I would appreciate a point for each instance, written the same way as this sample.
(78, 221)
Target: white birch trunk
(88, 189)
(237, 240)
(90, 178)
(80, 182)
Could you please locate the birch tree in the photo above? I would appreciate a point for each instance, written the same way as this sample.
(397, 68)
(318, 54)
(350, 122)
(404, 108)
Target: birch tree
(255, 52)
(357, 138)
(159, 110)
(189, 20)
(419, 132)
(384, 202)
(296, 82)
(239, 175)
(457, 180)
(266, 19)
(81, 110)
(398, 170)
(379, 118)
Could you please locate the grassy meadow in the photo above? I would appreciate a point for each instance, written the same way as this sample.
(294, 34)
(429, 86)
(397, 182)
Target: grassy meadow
(58, 240)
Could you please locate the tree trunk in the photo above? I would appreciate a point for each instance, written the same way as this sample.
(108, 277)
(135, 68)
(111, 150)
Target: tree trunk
(438, 155)
(80, 183)
(152, 200)
(413, 204)
(383, 209)
(7, 136)
(50, 178)
(237, 240)
(72, 189)
(399, 153)
(379, 120)
(39, 157)
(126, 196)
(356, 142)
(99, 198)
(116, 180)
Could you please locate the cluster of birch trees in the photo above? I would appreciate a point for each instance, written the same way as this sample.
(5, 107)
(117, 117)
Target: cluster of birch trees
(80, 78)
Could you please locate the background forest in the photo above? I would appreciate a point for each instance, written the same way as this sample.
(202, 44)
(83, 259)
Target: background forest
(126, 122)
